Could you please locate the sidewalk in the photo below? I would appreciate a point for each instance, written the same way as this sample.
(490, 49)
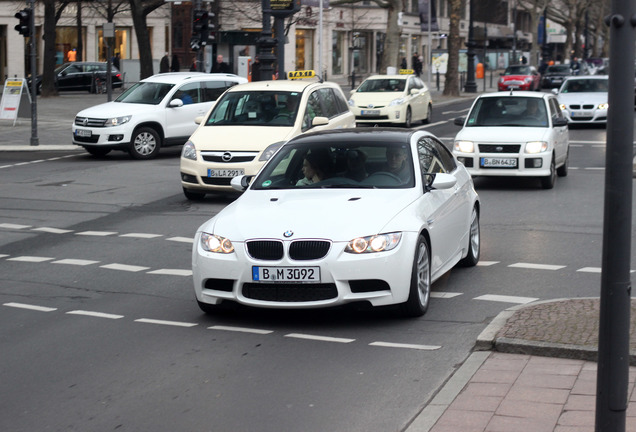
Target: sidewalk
(533, 370)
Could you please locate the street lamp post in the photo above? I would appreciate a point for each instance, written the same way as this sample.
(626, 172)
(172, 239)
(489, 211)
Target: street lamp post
(471, 85)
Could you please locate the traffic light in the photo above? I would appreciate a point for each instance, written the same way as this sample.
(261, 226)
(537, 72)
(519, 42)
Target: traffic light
(24, 28)
(200, 28)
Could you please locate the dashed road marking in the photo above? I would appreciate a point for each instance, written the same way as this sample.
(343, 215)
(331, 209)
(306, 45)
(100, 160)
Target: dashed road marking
(77, 262)
(141, 235)
(319, 338)
(440, 294)
(240, 329)
(181, 239)
(487, 263)
(94, 314)
(125, 267)
(30, 307)
(168, 323)
(96, 233)
(506, 299)
(171, 272)
(590, 270)
(52, 230)
(536, 266)
(407, 346)
(14, 226)
(32, 259)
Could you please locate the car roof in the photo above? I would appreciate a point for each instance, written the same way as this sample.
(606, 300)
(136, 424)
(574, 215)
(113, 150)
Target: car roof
(531, 94)
(178, 77)
(360, 135)
(587, 77)
(402, 76)
(282, 85)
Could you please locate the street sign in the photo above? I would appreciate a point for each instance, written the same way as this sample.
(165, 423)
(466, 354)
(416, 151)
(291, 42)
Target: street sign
(12, 95)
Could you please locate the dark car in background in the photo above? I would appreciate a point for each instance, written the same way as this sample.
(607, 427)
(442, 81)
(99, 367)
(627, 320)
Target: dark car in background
(82, 76)
(555, 75)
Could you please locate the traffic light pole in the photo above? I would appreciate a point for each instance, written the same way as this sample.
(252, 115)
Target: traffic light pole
(34, 104)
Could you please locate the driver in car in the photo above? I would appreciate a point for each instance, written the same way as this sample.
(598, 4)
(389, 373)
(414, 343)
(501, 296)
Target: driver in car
(396, 162)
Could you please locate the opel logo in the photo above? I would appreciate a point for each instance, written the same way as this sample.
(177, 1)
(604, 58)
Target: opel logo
(85, 121)
(227, 156)
(288, 233)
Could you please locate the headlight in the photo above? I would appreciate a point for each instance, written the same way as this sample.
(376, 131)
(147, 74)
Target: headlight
(465, 146)
(116, 121)
(562, 106)
(270, 150)
(215, 243)
(603, 106)
(528, 79)
(533, 147)
(351, 102)
(189, 151)
(374, 243)
(395, 102)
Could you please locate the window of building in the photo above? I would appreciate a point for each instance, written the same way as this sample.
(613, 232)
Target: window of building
(304, 50)
(66, 42)
(121, 43)
(337, 52)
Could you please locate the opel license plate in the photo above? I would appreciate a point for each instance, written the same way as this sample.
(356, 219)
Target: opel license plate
(225, 172)
(286, 274)
(487, 162)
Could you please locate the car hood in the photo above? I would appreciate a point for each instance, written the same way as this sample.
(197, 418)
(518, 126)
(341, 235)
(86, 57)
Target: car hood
(503, 134)
(115, 109)
(582, 98)
(376, 98)
(515, 77)
(239, 137)
(335, 214)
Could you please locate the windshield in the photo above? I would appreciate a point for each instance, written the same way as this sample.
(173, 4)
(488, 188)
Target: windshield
(149, 93)
(255, 108)
(558, 69)
(517, 70)
(382, 85)
(338, 165)
(509, 111)
(585, 86)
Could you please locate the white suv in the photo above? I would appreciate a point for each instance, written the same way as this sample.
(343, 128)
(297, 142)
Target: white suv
(157, 111)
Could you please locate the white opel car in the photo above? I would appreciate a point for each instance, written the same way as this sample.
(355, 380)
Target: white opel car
(250, 122)
(584, 99)
(158, 111)
(371, 215)
(391, 99)
(515, 134)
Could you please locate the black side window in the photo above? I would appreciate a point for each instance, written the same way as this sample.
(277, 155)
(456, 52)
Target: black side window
(211, 90)
(434, 157)
(329, 103)
(341, 103)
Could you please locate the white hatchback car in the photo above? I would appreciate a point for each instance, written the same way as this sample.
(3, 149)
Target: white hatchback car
(516, 134)
(158, 111)
(391, 99)
(249, 123)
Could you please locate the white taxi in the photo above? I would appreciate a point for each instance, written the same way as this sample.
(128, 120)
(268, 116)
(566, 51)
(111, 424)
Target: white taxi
(250, 122)
(390, 99)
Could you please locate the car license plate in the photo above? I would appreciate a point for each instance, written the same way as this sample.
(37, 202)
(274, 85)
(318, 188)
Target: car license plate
(582, 113)
(370, 112)
(498, 162)
(225, 172)
(83, 132)
(286, 274)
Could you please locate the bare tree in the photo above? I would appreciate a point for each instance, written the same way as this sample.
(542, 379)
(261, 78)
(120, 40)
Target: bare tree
(52, 12)
(451, 85)
(139, 11)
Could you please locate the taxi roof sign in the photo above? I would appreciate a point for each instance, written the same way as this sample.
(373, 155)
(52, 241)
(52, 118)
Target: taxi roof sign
(406, 72)
(300, 74)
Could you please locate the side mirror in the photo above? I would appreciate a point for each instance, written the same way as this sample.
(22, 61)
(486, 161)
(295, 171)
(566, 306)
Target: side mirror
(175, 103)
(559, 122)
(439, 181)
(198, 120)
(459, 121)
(240, 183)
(555, 91)
(414, 91)
(319, 121)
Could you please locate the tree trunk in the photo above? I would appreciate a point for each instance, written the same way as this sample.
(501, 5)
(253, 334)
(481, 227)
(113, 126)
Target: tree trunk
(48, 65)
(451, 84)
(391, 53)
(143, 38)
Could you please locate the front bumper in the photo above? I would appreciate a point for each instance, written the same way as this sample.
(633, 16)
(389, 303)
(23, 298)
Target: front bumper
(525, 165)
(195, 174)
(380, 279)
(387, 114)
(112, 137)
(585, 116)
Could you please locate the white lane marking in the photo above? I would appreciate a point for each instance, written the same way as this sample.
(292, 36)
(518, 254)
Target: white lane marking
(141, 235)
(14, 226)
(319, 338)
(96, 233)
(3, 255)
(590, 270)
(408, 346)
(433, 124)
(172, 272)
(487, 263)
(506, 299)
(181, 239)
(78, 262)
(455, 111)
(162, 322)
(34, 259)
(95, 314)
(30, 307)
(445, 294)
(124, 267)
(240, 329)
(536, 266)
(52, 230)
(594, 168)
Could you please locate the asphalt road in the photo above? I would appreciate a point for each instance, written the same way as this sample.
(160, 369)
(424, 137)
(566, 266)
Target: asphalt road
(99, 329)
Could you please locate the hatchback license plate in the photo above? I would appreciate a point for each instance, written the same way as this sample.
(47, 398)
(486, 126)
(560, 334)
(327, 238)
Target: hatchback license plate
(498, 162)
(83, 133)
(286, 274)
(225, 172)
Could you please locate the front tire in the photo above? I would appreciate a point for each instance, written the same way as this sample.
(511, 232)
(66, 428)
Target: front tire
(548, 181)
(145, 143)
(408, 119)
(420, 288)
(474, 241)
(429, 115)
(562, 171)
(193, 196)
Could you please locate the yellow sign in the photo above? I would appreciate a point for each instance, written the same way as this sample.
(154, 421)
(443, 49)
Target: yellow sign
(301, 74)
(406, 72)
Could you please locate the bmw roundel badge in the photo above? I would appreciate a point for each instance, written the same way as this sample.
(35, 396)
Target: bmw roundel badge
(288, 233)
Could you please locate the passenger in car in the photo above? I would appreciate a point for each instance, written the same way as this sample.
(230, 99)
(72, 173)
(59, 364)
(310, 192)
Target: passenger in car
(316, 167)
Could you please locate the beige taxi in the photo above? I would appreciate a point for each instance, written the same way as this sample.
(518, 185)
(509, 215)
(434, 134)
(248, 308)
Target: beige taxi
(250, 122)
